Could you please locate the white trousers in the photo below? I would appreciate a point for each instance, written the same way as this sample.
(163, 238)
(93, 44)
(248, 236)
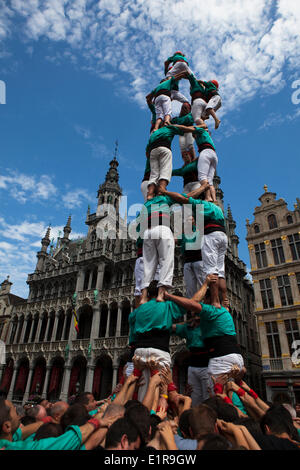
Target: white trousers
(158, 249)
(139, 275)
(207, 164)
(201, 382)
(160, 164)
(193, 277)
(186, 142)
(178, 67)
(224, 364)
(144, 355)
(163, 106)
(214, 103)
(213, 253)
(189, 187)
(200, 108)
(144, 189)
(177, 96)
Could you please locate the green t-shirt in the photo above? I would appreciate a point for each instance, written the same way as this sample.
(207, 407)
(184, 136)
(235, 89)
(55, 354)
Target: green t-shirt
(166, 134)
(195, 85)
(215, 322)
(168, 85)
(212, 212)
(174, 58)
(153, 315)
(186, 120)
(17, 436)
(202, 138)
(70, 440)
(185, 169)
(238, 403)
(152, 109)
(189, 242)
(192, 335)
(210, 87)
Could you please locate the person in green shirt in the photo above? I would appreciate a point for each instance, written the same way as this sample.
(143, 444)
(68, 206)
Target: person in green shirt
(159, 149)
(186, 141)
(179, 64)
(218, 331)
(150, 327)
(207, 161)
(215, 240)
(197, 360)
(213, 100)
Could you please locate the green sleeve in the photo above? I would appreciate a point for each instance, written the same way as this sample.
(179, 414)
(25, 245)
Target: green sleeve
(70, 440)
(181, 331)
(192, 80)
(17, 436)
(209, 311)
(177, 172)
(177, 311)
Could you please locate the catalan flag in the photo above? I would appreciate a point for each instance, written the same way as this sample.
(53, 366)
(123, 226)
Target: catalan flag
(73, 302)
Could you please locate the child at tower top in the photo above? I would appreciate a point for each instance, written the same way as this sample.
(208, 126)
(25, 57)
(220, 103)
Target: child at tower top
(213, 99)
(180, 64)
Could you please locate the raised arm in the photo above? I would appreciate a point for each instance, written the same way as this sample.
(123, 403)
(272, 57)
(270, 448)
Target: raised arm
(199, 296)
(187, 304)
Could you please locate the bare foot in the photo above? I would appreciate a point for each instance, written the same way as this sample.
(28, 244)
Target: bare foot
(217, 123)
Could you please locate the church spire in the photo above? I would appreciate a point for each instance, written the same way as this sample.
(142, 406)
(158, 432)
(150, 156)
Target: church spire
(110, 191)
(67, 229)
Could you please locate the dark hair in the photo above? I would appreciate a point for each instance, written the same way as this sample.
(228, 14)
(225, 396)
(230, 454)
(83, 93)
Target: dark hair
(139, 416)
(25, 420)
(82, 398)
(48, 430)
(4, 413)
(249, 423)
(130, 403)
(224, 411)
(184, 424)
(117, 430)
(214, 442)
(76, 414)
(279, 421)
(154, 422)
(202, 420)
(153, 289)
(33, 411)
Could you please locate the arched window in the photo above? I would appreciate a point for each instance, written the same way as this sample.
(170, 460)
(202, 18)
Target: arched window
(289, 219)
(272, 221)
(256, 229)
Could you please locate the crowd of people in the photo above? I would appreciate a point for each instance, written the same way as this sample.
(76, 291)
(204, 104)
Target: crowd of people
(218, 410)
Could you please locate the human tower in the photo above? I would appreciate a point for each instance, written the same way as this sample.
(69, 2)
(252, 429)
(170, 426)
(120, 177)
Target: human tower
(210, 334)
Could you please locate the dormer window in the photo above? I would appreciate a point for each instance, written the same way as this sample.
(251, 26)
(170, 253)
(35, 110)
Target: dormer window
(289, 219)
(272, 221)
(256, 229)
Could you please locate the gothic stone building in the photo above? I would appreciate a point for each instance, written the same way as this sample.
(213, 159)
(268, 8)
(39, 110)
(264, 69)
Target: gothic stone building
(45, 354)
(274, 247)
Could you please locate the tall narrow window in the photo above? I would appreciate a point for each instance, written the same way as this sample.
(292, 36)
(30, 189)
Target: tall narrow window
(298, 280)
(272, 221)
(292, 332)
(261, 256)
(294, 241)
(285, 290)
(277, 250)
(289, 219)
(266, 293)
(273, 339)
(256, 229)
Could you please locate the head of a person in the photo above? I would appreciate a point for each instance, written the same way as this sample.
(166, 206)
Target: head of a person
(184, 424)
(45, 403)
(251, 424)
(20, 411)
(25, 420)
(122, 435)
(87, 399)
(154, 422)
(213, 442)
(202, 420)
(9, 419)
(277, 421)
(38, 412)
(216, 83)
(186, 157)
(139, 416)
(291, 410)
(130, 403)
(76, 414)
(224, 411)
(114, 410)
(179, 53)
(57, 410)
(153, 290)
(297, 408)
(48, 430)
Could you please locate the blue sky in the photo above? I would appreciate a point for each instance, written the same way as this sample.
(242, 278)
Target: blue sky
(76, 74)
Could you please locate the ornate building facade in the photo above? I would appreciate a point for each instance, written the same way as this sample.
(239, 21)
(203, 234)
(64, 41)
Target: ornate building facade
(274, 247)
(44, 352)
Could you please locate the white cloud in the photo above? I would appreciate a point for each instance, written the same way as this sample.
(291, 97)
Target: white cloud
(24, 187)
(75, 198)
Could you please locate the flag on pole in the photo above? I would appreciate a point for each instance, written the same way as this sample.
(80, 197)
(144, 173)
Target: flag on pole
(73, 301)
